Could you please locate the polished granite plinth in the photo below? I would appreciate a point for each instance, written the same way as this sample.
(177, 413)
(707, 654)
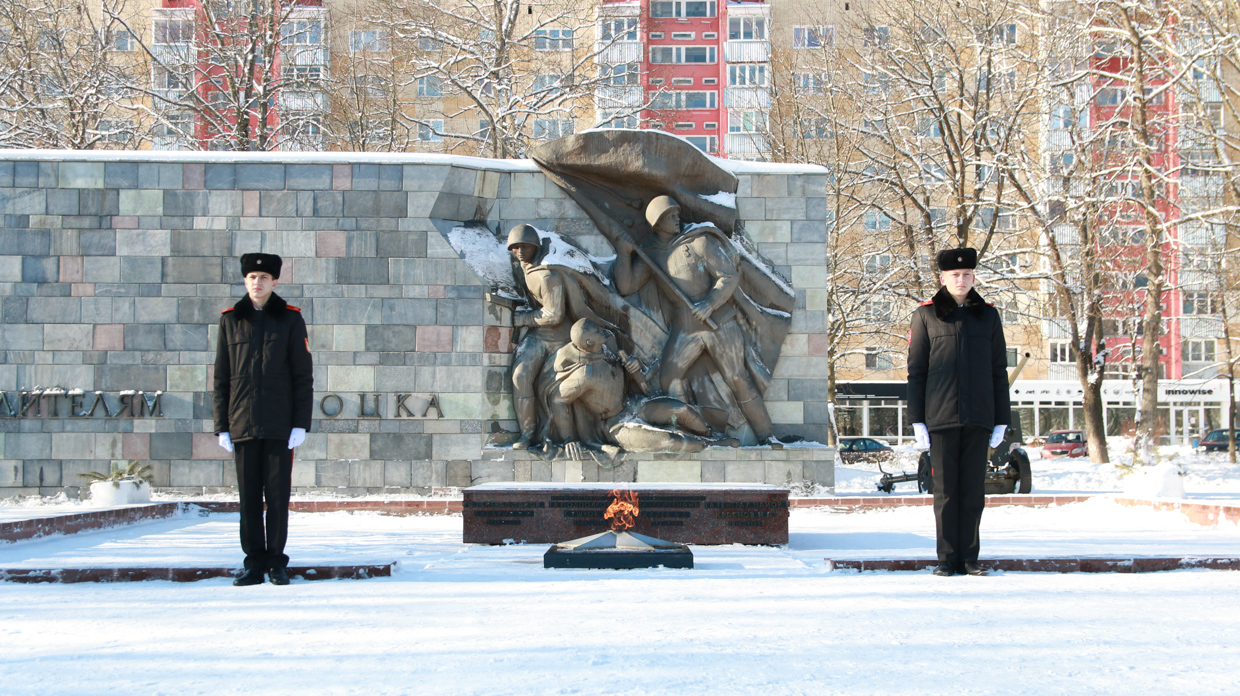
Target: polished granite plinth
(499, 513)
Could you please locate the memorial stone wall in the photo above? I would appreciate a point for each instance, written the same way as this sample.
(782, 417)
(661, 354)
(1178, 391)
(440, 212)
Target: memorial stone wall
(115, 266)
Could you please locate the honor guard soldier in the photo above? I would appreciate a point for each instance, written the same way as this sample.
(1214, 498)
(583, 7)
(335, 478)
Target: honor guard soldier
(264, 391)
(958, 403)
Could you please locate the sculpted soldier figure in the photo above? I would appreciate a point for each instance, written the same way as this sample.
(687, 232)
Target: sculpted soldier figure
(958, 403)
(584, 392)
(697, 304)
(548, 325)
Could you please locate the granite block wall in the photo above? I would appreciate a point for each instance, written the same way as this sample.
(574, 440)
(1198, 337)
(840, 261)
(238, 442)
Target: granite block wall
(114, 268)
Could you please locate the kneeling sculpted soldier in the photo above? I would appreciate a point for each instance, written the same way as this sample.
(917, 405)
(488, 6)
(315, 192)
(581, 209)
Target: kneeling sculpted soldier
(958, 404)
(264, 391)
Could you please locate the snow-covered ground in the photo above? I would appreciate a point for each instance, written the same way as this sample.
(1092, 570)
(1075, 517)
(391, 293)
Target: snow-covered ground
(1206, 475)
(463, 619)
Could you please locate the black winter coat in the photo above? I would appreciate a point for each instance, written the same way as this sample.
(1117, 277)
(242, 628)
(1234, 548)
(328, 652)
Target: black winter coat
(264, 376)
(957, 365)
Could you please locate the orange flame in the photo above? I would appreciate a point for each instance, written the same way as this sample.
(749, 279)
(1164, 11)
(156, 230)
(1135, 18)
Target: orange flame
(622, 510)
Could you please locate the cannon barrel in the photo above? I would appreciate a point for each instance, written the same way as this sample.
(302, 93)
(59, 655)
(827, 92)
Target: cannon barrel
(1016, 372)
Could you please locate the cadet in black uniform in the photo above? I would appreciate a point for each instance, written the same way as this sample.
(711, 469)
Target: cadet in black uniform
(264, 390)
(958, 403)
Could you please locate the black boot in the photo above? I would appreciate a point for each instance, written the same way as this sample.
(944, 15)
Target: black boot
(251, 576)
(279, 576)
(972, 568)
(944, 570)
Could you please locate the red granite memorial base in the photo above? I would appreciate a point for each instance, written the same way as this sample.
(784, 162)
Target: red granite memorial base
(536, 513)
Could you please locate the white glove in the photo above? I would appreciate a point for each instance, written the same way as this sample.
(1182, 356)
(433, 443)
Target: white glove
(226, 442)
(922, 435)
(296, 437)
(996, 437)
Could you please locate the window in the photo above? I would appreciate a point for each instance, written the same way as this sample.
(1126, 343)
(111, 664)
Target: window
(547, 82)
(371, 86)
(302, 77)
(878, 311)
(174, 31)
(620, 74)
(429, 45)
(817, 128)
(1061, 117)
(706, 143)
(1013, 357)
(875, 37)
(743, 75)
(305, 127)
(710, 80)
(746, 28)
(877, 359)
(1199, 351)
(375, 40)
(302, 32)
(684, 35)
(553, 40)
(619, 29)
(172, 80)
(1004, 34)
(116, 131)
(684, 125)
(876, 264)
(684, 99)
(682, 54)
(618, 120)
(875, 84)
(938, 219)
(811, 83)
(430, 86)
(431, 131)
(1213, 113)
(552, 128)
(682, 81)
(1061, 352)
(1111, 96)
(682, 8)
(710, 125)
(747, 122)
(876, 221)
(175, 126)
(813, 37)
(930, 127)
(121, 40)
(708, 35)
(1200, 303)
(655, 35)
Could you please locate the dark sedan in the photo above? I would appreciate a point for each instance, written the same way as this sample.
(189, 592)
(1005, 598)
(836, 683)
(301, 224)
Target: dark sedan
(854, 450)
(1216, 441)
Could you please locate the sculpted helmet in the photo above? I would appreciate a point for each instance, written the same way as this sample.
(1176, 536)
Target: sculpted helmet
(588, 336)
(523, 234)
(659, 206)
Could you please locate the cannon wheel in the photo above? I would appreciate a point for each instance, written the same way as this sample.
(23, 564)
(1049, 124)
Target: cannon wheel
(925, 481)
(1024, 471)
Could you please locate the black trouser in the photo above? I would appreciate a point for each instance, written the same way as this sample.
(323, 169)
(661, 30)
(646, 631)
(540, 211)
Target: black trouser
(958, 464)
(264, 472)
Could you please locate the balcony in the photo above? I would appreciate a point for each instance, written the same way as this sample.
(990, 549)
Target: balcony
(747, 98)
(753, 51)
(746, 145)
(168, 142)
(167, 98)
(620, 52)
(305, 55)
(173, 53)
(609, 97)
(1061, 371)
(304, 101)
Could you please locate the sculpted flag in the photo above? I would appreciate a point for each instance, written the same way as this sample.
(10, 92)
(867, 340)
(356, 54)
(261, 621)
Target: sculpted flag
(613, 174)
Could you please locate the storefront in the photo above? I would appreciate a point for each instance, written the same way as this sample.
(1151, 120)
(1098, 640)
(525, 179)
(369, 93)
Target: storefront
(1187, 408)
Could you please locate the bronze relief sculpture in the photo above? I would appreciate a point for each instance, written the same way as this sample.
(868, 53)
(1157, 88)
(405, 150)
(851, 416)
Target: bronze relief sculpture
(670, 346)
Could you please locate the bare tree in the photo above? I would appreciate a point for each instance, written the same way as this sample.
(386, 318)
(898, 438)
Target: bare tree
(507, 71)
(63, 83)
(216, 71)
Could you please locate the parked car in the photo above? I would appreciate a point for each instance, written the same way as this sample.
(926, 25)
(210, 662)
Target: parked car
(1216, 441)
(1064, 443)
(864, 449)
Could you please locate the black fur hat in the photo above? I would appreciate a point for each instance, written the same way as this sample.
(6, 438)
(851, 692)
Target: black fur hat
(267, 263)
(955, 259)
